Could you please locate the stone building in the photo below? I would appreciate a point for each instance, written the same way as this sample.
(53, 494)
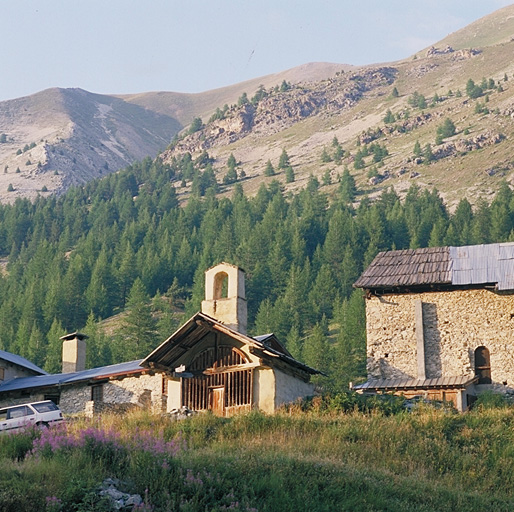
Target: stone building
(77, 390)
(207, 364)
(440, 322)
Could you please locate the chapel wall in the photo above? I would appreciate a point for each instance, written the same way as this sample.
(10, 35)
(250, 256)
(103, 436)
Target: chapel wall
(455, 323)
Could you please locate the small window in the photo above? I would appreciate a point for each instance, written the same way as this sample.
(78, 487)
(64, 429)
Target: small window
(483, 365)
(55, 398)
(2, 373)
(97, 393)
(164, 385)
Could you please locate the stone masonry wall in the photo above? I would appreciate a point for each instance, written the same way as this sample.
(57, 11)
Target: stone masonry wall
(455, 323)
(141, 391)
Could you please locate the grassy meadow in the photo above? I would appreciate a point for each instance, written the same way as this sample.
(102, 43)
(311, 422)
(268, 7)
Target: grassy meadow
(321, 457)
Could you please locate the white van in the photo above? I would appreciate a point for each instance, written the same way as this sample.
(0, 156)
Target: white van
(36, 413)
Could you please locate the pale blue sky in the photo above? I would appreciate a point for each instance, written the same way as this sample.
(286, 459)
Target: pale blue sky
(128, 46)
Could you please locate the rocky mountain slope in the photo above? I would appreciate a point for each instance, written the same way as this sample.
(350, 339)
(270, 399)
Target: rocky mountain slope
(61, 137)
(400, 107)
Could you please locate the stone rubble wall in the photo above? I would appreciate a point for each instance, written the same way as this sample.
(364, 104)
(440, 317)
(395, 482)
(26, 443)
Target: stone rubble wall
(455, 324)
(143, 391)
(289, 388)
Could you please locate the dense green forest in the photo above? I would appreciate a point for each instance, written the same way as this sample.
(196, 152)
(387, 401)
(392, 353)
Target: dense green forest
(125, 244)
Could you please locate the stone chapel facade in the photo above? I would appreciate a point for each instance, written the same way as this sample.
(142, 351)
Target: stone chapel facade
(440, 322)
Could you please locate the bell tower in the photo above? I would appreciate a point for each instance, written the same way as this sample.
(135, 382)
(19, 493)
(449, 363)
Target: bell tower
(225, 298)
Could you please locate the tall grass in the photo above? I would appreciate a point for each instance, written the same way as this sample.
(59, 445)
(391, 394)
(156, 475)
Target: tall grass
(315, 459)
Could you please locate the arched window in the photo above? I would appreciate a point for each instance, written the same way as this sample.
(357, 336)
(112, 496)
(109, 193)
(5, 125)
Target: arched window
(221, 286)
(483, 365)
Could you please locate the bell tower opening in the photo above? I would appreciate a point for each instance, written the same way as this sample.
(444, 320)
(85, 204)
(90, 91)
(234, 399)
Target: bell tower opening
(221, 286)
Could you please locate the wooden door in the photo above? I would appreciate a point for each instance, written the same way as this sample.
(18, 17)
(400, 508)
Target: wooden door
(217, 400)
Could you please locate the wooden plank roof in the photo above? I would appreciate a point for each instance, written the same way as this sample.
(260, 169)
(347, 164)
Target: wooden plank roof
(166, 355)
(406, 268)
(491, 264)
(460, 381)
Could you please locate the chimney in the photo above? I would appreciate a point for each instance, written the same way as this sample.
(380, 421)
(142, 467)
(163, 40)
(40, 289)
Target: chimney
(225, 298)
(73, 352)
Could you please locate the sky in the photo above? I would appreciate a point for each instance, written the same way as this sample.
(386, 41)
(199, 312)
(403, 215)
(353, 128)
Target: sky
(131, 46)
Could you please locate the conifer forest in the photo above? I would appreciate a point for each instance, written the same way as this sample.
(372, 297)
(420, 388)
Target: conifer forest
(132, 246)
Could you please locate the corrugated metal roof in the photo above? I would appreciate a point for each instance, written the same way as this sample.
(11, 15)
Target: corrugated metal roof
(484, 264)
(21, 361)
(457, 266)
(445, 382)
(71, 378)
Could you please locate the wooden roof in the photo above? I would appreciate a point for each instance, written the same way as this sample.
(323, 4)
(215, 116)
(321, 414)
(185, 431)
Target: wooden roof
(407, 267)
(166, 355)
(460, 381)
(471, 265)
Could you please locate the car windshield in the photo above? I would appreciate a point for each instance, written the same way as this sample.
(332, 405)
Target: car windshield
(45, 407)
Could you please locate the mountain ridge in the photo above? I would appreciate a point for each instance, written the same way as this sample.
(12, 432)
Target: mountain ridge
(62, 137)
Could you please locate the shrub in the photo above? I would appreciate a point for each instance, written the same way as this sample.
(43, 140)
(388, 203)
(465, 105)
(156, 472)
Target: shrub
(490, 400)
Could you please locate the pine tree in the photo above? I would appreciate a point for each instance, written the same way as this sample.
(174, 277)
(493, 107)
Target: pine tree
(317, 352)
(347, 188)
(325, 156)
(428, 155)
(358, 162)
(350, 352)
(417, 149)
(269, 170)
(98, 351)
(53, 359)
(323, 292)
(283, 161)
(138, 334)
(290, 177)
(327, 178)
(294, 343)
(389, 117)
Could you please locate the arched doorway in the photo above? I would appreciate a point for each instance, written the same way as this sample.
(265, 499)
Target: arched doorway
(483, 365)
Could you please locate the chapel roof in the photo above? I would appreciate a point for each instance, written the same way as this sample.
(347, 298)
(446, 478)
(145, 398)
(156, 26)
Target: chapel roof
(188, 335)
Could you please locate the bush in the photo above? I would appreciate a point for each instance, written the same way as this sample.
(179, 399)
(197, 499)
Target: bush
(350, 401)
(490, 400)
